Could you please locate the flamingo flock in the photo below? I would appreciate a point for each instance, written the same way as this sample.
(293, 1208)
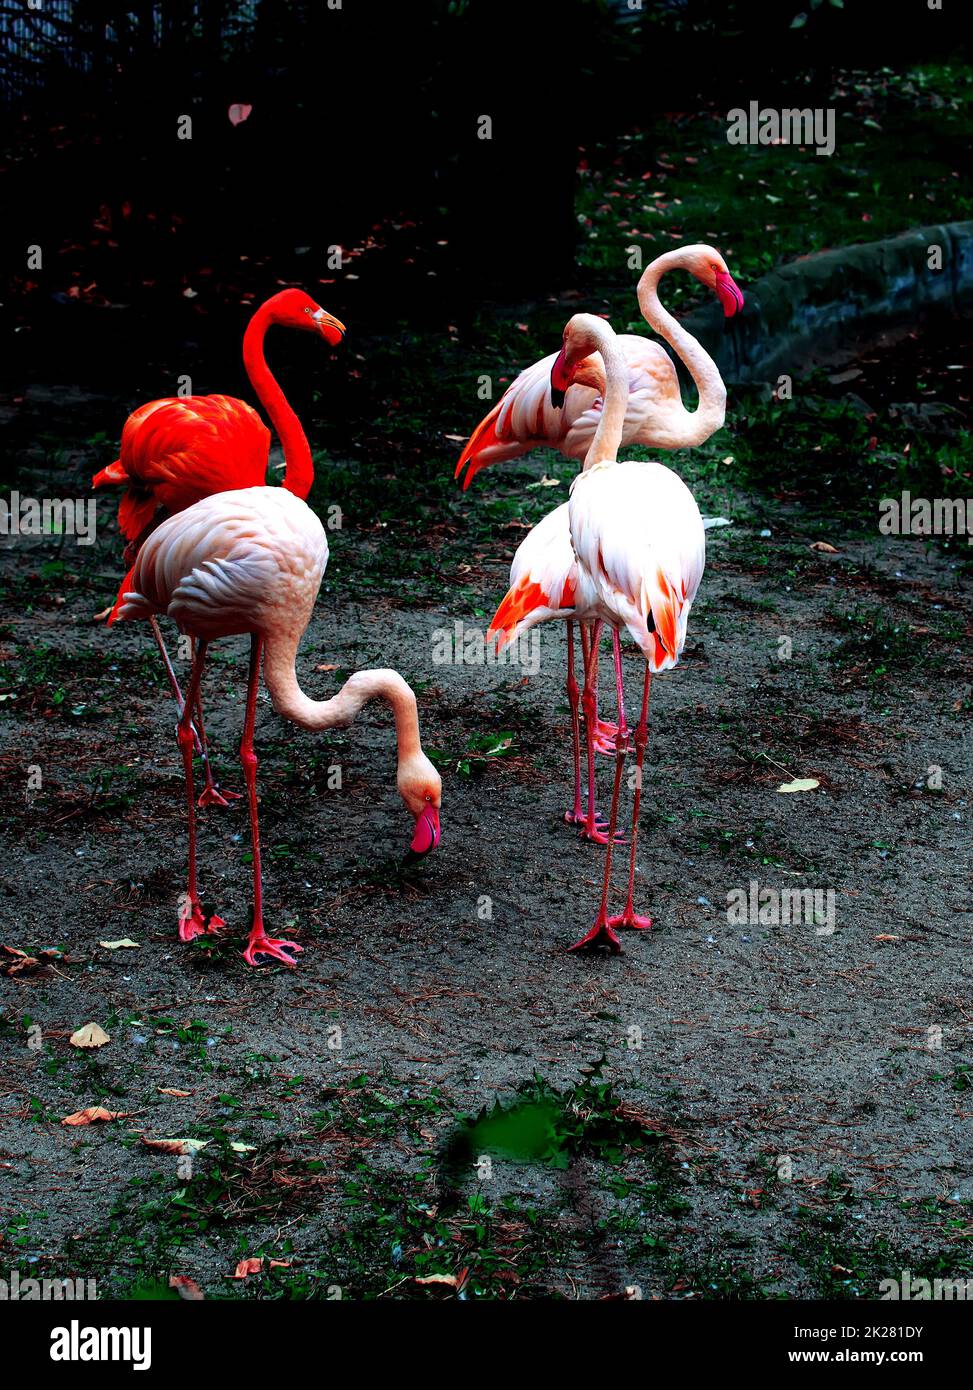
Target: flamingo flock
(221, 554)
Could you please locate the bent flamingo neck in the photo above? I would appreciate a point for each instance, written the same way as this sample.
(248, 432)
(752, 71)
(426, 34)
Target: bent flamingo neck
(298, 466)
(608, 436)
(710, 412)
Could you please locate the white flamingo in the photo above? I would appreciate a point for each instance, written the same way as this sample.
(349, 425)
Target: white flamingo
(251, 561)
(627, 549)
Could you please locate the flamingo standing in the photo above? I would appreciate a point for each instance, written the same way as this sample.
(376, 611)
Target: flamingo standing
(251, 561)
(178, 450)
(627, 549)
(529, 416)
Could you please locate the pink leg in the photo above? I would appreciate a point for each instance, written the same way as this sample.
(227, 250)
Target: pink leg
(258, 943)
(602, 934)
(575, 816)
(173, 679)
(211, 795)
(594, 826)
(192, 923)
(629, 917)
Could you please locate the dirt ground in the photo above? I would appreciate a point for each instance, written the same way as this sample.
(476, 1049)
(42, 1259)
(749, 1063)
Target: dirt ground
(724, 1110)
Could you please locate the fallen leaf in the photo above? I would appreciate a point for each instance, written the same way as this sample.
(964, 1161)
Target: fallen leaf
(824, 547)
(93, 1114)
(186, 1287)
(454, 1281)
(247, 1267)
(21, 964)
(91, 1035)
(545, 482)
(119, 945)
(885, 937)
(175, 1146)
(171, 1091)
(238, 112)
(800, 784)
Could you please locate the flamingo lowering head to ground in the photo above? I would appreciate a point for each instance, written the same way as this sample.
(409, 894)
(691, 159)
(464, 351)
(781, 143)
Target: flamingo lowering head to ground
(638, 547)
(180, 449)
(251, 561)
(525, 418)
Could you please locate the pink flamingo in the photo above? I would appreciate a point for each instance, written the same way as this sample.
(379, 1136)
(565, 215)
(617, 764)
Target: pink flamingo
(180, 449)
(530, 416)
(251, 561)
(627, 549)
(526, 418)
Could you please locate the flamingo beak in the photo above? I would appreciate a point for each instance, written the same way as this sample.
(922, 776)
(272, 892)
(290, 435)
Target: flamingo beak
(729, 293)
(472, 466)
(425, 837)
(330, 328)
(560, 380)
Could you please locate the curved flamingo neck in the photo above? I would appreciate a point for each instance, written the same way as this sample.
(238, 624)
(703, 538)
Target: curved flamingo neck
(342, 709)
(608, 436)
(710, 412)
(298, 466)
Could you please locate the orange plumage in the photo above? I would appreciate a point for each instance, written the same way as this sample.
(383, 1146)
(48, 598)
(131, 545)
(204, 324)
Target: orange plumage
(176, 451)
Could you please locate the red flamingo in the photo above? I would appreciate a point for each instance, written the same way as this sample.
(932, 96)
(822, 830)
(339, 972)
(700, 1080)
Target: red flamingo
(180, 449)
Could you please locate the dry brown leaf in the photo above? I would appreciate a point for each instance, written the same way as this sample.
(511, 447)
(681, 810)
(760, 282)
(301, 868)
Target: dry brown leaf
(125, 944)
(171, 1091)
(454, 1281)
(175, 1146)
(886, 937)
(91, 1035)
(92, 1114)
(186, 1287)
(824, 547)
(247, 1267)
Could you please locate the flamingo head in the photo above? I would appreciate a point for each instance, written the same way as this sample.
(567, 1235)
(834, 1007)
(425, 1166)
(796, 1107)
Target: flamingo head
(295, 309)
(710, 267)
(421, 788)
(575, 363)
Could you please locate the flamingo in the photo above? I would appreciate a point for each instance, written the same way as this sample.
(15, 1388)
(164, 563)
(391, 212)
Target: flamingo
(178, 450)
(627, 549)
(528, 417)
(251, 560)
(525, 417)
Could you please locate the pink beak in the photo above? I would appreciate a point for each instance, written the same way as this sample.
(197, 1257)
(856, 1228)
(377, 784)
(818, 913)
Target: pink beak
(426, 835)
(730, 295)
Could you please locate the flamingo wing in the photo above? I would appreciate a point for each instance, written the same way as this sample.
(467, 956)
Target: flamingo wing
(543, 580)
(178, 450)
(214, 567)
(639, 539)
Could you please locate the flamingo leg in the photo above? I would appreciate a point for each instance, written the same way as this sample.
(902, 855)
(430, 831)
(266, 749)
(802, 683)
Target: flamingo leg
(575, 816)
(593, 828)
(629, 917)
(192, 922)
(212, 794)
(602, 933)
(170, 673)
(604, 730)
(258, 943)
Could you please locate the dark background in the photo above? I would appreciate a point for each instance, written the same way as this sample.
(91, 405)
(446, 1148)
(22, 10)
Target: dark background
(363, 133)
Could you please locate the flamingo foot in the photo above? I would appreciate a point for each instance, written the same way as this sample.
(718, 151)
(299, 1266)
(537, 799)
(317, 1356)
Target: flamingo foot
(631, 921)
(276, 947)
(596, 833)
(601, 934)
(604, 735)
(192, 923)
(216, 796)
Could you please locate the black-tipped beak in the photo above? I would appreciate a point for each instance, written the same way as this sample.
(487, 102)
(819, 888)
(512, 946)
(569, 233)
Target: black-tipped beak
(557, 397)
